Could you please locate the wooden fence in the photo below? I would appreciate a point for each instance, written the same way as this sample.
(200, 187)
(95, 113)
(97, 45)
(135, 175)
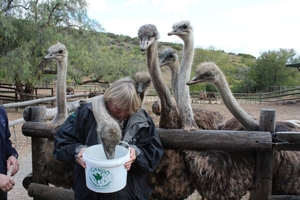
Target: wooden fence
(260, 142)
(8, 93)
(288, 96)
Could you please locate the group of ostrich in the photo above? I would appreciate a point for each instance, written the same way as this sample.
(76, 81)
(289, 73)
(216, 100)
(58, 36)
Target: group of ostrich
(214, 174)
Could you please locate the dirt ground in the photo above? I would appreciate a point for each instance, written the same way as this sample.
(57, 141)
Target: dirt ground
(23, 144)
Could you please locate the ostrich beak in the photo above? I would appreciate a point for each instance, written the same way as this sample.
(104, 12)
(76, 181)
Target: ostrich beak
(172, 33)
(194, 81)
(48, 56)
(145, 43)
(140, 88)
(109, 150)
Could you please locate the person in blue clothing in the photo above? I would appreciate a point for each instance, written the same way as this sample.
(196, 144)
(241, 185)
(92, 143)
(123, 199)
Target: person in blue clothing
(9, 157)
(138, 130)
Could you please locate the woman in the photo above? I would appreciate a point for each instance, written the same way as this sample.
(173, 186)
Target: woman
(8, 157)
(79, 131)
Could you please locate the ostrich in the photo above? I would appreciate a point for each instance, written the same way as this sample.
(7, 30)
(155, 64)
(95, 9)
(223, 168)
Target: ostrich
(59, 53)
(156, 107)
(142, 83)
(108, 130)
(204, 119)
(170, 180)
(92, 94)
(184, 30)
(211, 168)
(286, 168)
(56, 172)
(70, 90)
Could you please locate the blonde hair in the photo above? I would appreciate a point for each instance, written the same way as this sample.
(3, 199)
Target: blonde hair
(123, 93)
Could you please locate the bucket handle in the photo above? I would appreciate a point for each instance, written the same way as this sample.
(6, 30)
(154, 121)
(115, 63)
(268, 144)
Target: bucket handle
(124, 144)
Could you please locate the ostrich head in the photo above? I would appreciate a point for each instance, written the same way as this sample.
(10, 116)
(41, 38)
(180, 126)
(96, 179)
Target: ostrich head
(110, 137)
(147, 34)
(142, 81)
(167, 56)
(57, 52)
(181, 29)
(206, 72)
(210, 73)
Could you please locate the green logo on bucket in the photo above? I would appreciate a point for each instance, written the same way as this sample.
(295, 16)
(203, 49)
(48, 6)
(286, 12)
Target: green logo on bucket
(100, 178)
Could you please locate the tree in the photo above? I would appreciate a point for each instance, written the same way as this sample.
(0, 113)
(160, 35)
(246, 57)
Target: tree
(270, 69)
(30, 27)
(236, 68)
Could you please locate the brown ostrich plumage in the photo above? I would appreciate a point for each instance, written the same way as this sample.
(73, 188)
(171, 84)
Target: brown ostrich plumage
(70, 90)
(222, 175)
(156, 107)
(171, 179)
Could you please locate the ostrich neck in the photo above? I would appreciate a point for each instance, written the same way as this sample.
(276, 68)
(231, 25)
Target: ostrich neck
(155, 73)
(184, 103)
(185, 69)
(187, 59)
(174, 67)
(61, 88)
(232, 105)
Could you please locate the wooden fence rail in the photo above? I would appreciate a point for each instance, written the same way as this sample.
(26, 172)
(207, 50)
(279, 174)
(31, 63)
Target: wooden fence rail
(50, 112)
(269, 97)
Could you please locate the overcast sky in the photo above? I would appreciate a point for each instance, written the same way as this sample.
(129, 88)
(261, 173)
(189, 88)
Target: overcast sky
(238, 26)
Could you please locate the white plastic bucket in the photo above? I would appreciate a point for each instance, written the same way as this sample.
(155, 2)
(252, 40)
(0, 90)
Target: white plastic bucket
(103, 175)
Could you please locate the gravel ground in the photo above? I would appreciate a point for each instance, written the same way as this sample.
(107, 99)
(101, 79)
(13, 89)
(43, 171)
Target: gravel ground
(24, 150)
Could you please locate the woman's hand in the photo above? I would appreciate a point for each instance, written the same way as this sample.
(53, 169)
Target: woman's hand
(132, 159)
(6, 183)
(12, 161)
(79, 158)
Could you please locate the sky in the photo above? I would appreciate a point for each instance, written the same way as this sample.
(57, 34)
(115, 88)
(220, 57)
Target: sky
(237, 26)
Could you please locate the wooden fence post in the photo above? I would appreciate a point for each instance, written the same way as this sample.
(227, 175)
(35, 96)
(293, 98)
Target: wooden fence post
(264, 161)
(35, 113)
(16, 98)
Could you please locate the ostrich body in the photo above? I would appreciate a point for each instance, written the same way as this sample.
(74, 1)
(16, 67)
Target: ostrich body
(55, 172)
(286, 166)
(156, 107)
(184, 31)
(108, 130)
(70, 90)
(142, 83)
(170, 180)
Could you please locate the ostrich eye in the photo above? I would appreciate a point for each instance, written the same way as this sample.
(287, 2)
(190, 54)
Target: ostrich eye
(171, 56)
(60, 51)
(208, 73)
(184, 26)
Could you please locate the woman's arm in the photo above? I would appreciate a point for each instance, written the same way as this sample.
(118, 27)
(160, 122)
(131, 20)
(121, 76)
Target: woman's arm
(149, 147)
